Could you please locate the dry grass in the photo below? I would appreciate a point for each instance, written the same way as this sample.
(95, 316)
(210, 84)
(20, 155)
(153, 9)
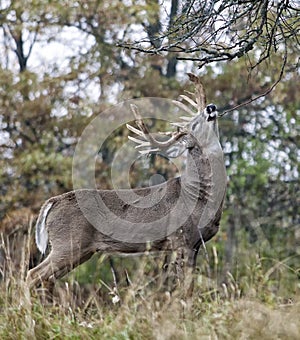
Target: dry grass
(247, 307)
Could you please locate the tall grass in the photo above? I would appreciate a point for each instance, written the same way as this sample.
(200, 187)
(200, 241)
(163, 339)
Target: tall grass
(258, 300)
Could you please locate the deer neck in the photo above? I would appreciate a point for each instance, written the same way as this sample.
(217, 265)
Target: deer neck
(204, 182)
(196, 181)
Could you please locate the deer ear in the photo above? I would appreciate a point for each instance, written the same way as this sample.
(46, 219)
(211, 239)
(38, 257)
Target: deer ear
(178, 148)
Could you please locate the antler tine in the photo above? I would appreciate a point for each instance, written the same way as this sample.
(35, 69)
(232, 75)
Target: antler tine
(139, 122)
(147, 140)
(184, 107)
(200, 95)
(200, 99)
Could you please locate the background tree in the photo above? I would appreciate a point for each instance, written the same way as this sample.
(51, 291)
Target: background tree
(61, 66)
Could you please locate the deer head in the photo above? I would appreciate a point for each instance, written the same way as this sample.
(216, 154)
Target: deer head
(199, 128)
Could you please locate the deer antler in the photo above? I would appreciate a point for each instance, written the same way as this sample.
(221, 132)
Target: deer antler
(199, 103)
(146, 139)
(199, 94)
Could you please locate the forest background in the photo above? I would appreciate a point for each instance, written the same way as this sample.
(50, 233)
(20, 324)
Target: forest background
(62, 63)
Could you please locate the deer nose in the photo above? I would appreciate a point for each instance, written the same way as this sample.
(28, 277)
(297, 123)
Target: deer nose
(211, 108)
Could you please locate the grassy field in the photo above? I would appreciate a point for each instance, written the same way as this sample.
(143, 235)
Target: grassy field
(259, 301)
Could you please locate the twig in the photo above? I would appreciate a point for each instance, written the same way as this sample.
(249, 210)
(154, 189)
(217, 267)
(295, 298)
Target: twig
(270, 89)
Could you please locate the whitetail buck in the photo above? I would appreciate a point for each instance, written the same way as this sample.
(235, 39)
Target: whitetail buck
(191, 203)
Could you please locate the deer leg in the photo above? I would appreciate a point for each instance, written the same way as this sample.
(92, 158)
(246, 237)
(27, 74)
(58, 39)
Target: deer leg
(55, 266)
(61, 269)
(172, 274)
(40, 273)
(185, 265)
(190, 271)
(167, 277)
(180, 265)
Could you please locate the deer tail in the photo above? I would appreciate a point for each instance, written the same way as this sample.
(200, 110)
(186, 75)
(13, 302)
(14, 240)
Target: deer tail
(41, 234)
